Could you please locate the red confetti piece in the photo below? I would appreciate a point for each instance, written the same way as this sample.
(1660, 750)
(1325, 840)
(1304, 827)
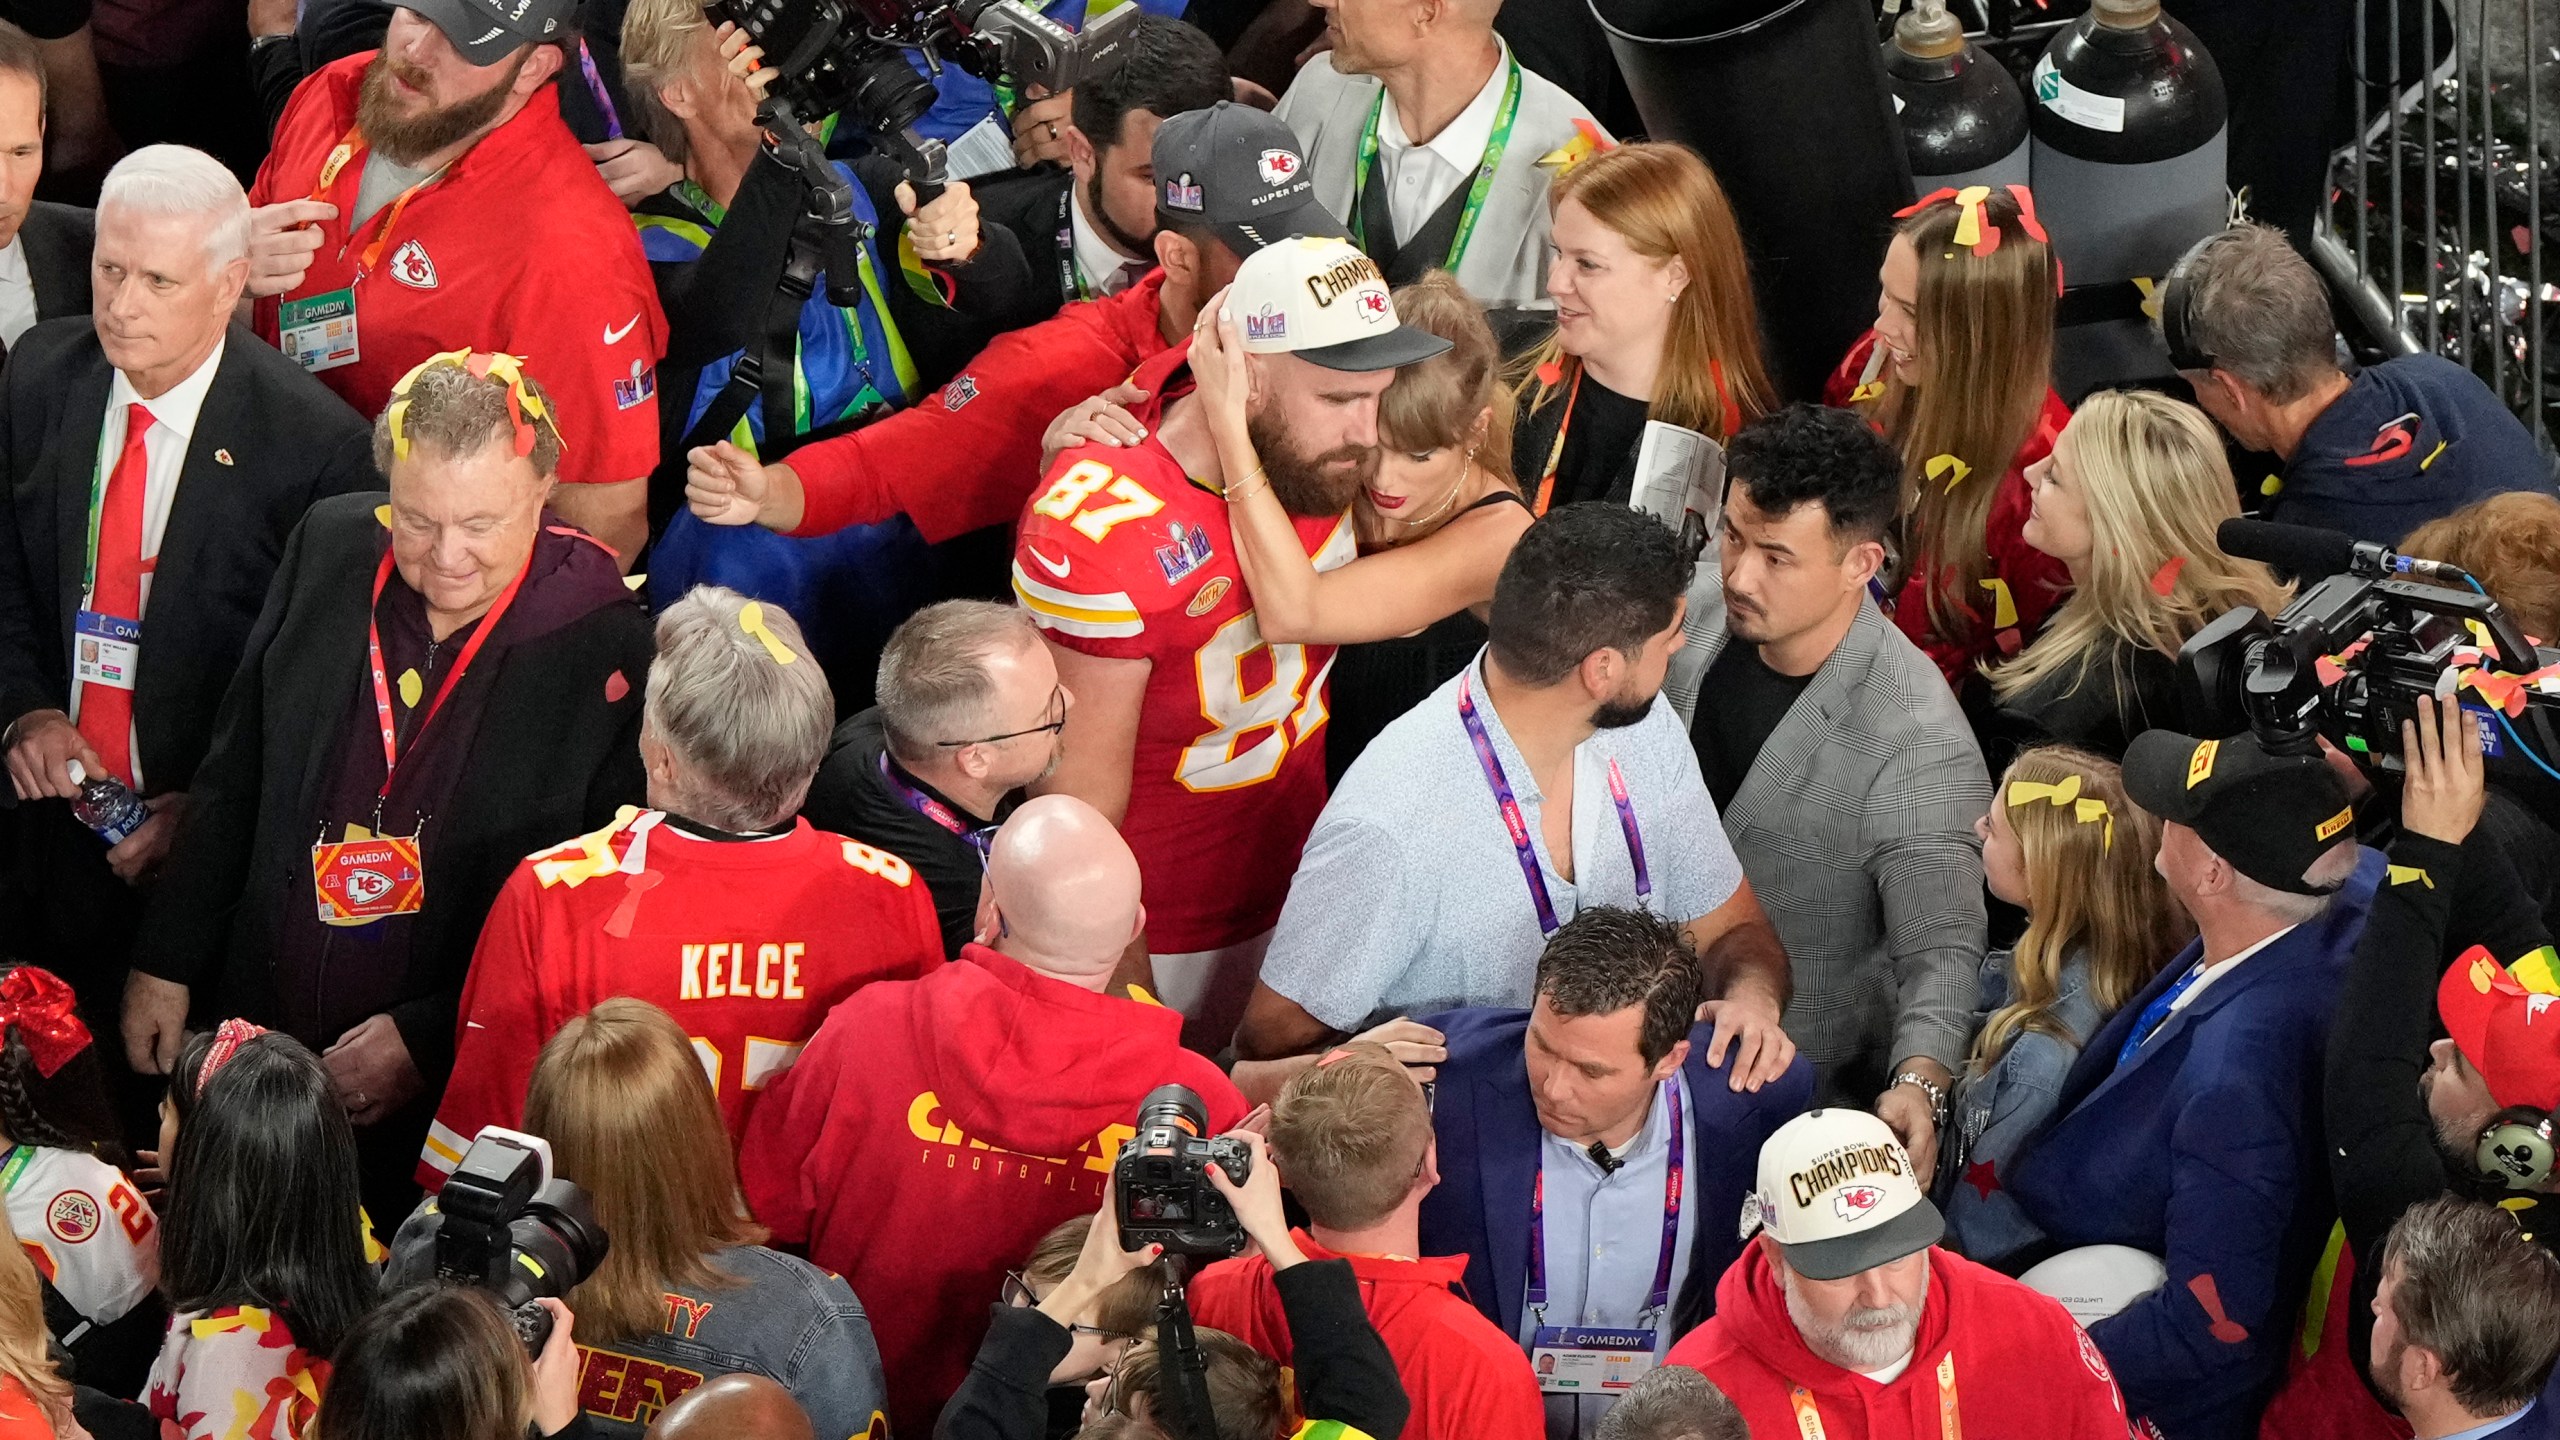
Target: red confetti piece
(2165, 579)
(615, 687)
(618, 924)
(1551, 374)
(2523, 239)
(2009, 642)
(2328, 671)
(2223, 1327)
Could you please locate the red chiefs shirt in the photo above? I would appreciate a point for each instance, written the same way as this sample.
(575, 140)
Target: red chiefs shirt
(517, 247)
(1467, 1380)
(747, 943)
(1125, 556)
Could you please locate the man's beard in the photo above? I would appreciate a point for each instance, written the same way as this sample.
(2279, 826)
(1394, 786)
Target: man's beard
(1100, 219)
(2385, 1372)
(1862, 1340)
(1305, 484)
(409, 139)
(1619, 714)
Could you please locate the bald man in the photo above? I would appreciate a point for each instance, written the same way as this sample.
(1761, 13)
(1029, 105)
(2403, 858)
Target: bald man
(740, 1406)
(935, 1129)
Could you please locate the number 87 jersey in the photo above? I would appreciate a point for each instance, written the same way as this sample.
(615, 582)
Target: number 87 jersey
(1123, 555)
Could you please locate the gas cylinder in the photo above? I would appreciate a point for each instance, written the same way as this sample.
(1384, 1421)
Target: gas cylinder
(1963, 120)
(2130, 136)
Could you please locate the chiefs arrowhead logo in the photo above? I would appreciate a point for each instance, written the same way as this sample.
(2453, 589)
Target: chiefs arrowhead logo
(1373, 305)
(366, 886)
(411, 267)
(1855, 1201)
(1278, 167)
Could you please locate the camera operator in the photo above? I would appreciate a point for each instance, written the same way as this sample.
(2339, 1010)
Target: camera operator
(442, 1363)
(2406, 1108)
(1352, 1134)
(1346, 1376)
(686, 1290)
(934, 1129)
(2376, 453)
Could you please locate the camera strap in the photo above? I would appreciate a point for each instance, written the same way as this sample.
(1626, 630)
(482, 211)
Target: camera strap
(1185, 1395)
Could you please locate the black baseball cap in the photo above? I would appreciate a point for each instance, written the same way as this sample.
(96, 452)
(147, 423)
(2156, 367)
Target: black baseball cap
(1237, 170)
(488, 31)
(2271, 815)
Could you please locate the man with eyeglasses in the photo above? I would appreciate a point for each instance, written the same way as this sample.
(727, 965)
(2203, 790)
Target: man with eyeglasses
(715, 904)
(970, 712)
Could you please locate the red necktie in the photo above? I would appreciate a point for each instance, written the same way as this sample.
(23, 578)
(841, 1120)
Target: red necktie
(106, 713)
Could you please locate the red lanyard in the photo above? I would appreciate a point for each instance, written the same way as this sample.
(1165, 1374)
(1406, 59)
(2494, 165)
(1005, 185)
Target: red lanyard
(347, 149)
(1555, 452)
(382, 684)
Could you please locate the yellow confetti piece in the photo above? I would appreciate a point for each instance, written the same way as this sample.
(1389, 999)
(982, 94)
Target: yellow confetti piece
(1969, 215)
(411, 687)
(1139, 993)
(751, 620)
(2004, 610)
(2410, 875)
(2270, 485)
(2150, 296)
(1950, 466)
(1866, 392)
(383, 514)
(2539, 972)
(2432, 454)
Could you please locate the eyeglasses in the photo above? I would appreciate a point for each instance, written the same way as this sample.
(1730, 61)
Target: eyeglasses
(1019, 1295)
(1057, 707)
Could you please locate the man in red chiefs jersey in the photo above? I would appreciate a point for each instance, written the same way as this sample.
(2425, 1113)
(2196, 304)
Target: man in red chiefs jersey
(427, 197)
(1188, 730)
(715, 905)
(933, 1131)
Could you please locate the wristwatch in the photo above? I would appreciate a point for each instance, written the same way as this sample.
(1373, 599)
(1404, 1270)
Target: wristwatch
(1936, 1092)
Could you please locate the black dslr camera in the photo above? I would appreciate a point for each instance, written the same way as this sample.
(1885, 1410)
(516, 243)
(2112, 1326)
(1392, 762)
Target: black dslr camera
(504, 1225)
(1162, 1179)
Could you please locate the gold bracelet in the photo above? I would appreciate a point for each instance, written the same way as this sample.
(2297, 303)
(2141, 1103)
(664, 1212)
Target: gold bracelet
(1234, 494)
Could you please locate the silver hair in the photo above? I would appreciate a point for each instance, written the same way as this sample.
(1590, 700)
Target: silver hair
(2259, 309)
(933, 683)
(748, 731)
(2328, 872)
(1674, 1403)
(180, 181)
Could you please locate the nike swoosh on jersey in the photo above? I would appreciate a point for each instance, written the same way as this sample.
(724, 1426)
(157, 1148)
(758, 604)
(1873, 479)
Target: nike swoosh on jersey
(1057, 568)
(613, 334)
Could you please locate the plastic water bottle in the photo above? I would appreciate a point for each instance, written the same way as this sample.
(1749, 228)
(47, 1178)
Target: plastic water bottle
(106, 805)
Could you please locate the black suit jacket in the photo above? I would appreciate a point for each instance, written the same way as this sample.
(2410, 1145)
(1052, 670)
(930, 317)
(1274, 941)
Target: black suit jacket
(556, 750)
(269, 441)
(1026, 203)
(58, 239)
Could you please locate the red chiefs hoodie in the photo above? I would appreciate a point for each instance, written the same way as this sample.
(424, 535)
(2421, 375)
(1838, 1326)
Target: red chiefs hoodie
(935, 1129)
(1994, 1361)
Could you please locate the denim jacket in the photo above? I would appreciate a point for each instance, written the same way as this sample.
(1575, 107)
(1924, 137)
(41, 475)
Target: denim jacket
(1994, 1115)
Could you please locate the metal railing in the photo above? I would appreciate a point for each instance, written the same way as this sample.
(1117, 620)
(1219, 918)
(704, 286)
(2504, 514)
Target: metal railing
(2435, 226)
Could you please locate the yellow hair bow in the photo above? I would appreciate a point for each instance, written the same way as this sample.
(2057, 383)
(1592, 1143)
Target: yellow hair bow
(2087, 809)
(751, 620)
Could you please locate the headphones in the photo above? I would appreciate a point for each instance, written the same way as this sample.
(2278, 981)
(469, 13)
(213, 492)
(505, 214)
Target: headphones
(2177, 310)
(2515, 1150)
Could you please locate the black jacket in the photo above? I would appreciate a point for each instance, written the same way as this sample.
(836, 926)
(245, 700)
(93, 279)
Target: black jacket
(58, 239)
(1026, 203)
(556, 750)
(269, 442)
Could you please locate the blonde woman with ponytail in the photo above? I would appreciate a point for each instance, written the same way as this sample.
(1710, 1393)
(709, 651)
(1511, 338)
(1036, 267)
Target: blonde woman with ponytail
(35, 1401)
(2128, 503)
(2062, 842)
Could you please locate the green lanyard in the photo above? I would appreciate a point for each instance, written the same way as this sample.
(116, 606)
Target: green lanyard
(98, 512)
(20, 1157)
(1492, 160)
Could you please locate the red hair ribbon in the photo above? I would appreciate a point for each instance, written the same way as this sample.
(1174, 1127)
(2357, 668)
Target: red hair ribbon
(1732, 412)
(45, 1013)
(2034, 227)
(228, 1037)
(1943, 192)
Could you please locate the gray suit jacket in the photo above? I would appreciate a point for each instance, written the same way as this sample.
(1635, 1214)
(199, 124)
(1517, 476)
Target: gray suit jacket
(1505, 265)
(1855, 825)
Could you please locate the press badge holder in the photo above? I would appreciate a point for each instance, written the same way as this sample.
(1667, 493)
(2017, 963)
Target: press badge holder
(318, 332)
(1590, 1359)
(367, 876)
(105, 650)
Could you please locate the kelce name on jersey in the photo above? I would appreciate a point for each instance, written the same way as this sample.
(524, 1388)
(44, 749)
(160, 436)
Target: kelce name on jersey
(722, 971)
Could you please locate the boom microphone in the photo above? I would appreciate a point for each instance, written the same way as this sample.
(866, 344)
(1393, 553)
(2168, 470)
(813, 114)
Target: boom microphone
(2310, 553)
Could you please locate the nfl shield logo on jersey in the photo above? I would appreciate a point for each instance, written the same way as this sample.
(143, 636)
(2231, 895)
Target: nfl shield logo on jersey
(411, 267)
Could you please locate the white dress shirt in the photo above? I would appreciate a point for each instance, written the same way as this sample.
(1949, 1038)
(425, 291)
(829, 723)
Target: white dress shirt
(1420, 178)
(17, 292)
(164, 451)
(1104, 270)
(2212, 973)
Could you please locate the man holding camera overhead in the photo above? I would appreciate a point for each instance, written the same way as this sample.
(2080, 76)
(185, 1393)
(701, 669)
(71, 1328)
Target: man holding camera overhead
(426, 197)
(933, 1130)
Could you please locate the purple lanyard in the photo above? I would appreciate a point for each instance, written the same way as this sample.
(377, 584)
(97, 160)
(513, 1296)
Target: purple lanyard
(1518, 825)
(1658, 1299)
(595, 87)
(981, 840)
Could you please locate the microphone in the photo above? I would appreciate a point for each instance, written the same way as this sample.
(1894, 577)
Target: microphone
(2313, 553)
(1609, 1164)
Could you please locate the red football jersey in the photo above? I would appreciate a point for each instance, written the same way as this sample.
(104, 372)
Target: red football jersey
(1124, 555)
(747, 943)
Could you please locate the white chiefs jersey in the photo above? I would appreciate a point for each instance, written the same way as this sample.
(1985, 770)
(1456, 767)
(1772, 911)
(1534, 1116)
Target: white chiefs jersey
(89, 1232)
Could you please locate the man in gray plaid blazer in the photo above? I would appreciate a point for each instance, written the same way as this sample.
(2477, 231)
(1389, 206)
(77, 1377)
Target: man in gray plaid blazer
(1846, 775)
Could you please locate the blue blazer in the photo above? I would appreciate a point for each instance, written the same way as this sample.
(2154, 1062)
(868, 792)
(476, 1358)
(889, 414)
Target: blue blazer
(1489, 1143)
(2206, 1149)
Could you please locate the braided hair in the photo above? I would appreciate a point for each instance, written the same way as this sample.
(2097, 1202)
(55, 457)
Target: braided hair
(67, 1110)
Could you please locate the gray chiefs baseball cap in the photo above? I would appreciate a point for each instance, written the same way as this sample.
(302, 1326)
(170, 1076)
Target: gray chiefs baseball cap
(488, 31)
(1237, 170)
